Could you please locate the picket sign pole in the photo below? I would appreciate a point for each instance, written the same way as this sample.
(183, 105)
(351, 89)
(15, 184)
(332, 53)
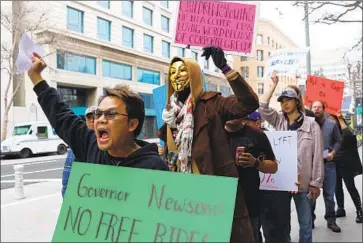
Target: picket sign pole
(19, 181)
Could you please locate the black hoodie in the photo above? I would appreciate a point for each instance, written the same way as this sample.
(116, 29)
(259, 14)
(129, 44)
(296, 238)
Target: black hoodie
(83, 142)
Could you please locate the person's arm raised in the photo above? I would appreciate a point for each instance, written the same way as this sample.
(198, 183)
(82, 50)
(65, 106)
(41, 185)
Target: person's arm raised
(69, 127)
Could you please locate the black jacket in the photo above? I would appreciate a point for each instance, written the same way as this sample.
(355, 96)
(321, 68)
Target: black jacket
(83, 142)
(347, 159)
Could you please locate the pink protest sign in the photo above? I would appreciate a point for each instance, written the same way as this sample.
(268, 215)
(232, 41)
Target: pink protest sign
(224, 24)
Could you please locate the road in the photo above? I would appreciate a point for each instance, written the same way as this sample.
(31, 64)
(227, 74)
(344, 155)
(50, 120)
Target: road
(36, 169)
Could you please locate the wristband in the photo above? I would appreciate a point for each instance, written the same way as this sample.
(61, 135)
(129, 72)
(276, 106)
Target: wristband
(226, 69)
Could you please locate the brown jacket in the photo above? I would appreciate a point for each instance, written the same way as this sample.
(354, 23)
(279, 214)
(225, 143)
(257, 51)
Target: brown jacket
(210, 149)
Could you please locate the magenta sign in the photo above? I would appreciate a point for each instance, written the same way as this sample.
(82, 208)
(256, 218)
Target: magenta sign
(224, 24)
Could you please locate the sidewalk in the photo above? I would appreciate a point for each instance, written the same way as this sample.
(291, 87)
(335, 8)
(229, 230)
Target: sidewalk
(32, 159)
(34, 218)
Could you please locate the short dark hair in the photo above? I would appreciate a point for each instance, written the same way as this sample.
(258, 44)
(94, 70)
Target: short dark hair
(321, 102)
(135, 107)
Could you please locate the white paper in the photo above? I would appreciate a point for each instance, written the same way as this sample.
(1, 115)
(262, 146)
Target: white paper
(284, 146)
(325, 153)
(286, 61)
(26, 49)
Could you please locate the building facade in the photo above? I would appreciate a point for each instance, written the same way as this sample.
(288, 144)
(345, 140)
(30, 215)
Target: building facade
(268, 39)
(101, 44)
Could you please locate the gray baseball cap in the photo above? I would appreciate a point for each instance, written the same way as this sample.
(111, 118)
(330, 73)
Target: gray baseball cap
(288, 93)
(90, 109)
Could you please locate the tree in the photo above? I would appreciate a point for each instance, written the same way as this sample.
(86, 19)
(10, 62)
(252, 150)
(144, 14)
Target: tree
(319, 72)
(343, 15)
(18, 19)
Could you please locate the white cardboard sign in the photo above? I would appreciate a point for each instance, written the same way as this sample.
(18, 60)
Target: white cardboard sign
(284, 145)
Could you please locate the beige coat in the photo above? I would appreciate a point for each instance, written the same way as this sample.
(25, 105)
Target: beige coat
(309, 146)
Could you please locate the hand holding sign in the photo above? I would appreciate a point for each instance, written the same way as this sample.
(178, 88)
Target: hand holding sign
(274, 78)
(217, 55)
(37, 66)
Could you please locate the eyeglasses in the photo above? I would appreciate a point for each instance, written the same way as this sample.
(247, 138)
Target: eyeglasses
(109, 114)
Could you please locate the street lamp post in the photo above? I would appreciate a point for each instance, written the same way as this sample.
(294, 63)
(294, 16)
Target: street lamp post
(307, 38)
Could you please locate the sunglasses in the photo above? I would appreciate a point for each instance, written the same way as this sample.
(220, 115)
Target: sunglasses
(109, 114)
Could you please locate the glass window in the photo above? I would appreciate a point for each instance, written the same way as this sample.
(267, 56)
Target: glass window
(259, 55)
(21, 130)
(116, 70)
(74, 20)
(260, 89)
(148, 76)
(211, 87)
(226, 91)
(77, 63)
(181, 51)
(42, 132)
(259, 71)
(105, 4)
(269, 53)
(103, 29)
(268, 40)
(195, 55)
(206, 64)
(259, 39)
(128, 8)
(165, 23)
(127, 37)
(165, 49)
(243, 58)
(148, 43)
(277, 46)
(245, 72)
(149, 128)
(148, 100)
(74, 97)
(147, 16)
(165, 4)
(273, 43)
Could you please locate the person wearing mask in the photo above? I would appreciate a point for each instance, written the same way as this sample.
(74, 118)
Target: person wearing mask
(193, 132)
(332, 140)
(309, 156)
(257, 156)
(70, 157)
(118, 121)
(348, 165)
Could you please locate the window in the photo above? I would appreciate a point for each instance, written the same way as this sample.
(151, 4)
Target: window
(243, 58)
(259, 39)
(148, 43)
(165, 49)
(181, 51)
(103, 29)
(259, 55)
(127, 37)
(148, 100)
(116, 70)
(165, 4)
(148, 16)
(149, 128)
(211, 87)
(268, 40)
(226, 91)
(74, 97)
(148, 76)
(42, 132)
(105, 4)
(260, 89)
(269, 53)
(259, 71)
(77, 63)
(206, 64)
(277, 46)
(273, 43)
(128, 8)
(245, 72)
(74, 20)
(165, 24)
(21, 130)
(195, 55)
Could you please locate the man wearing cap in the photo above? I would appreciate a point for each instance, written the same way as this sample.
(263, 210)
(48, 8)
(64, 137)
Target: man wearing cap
(257, 156)
(309, 156)
(70, 157)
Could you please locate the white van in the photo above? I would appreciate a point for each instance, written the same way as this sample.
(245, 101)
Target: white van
(33, 138)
